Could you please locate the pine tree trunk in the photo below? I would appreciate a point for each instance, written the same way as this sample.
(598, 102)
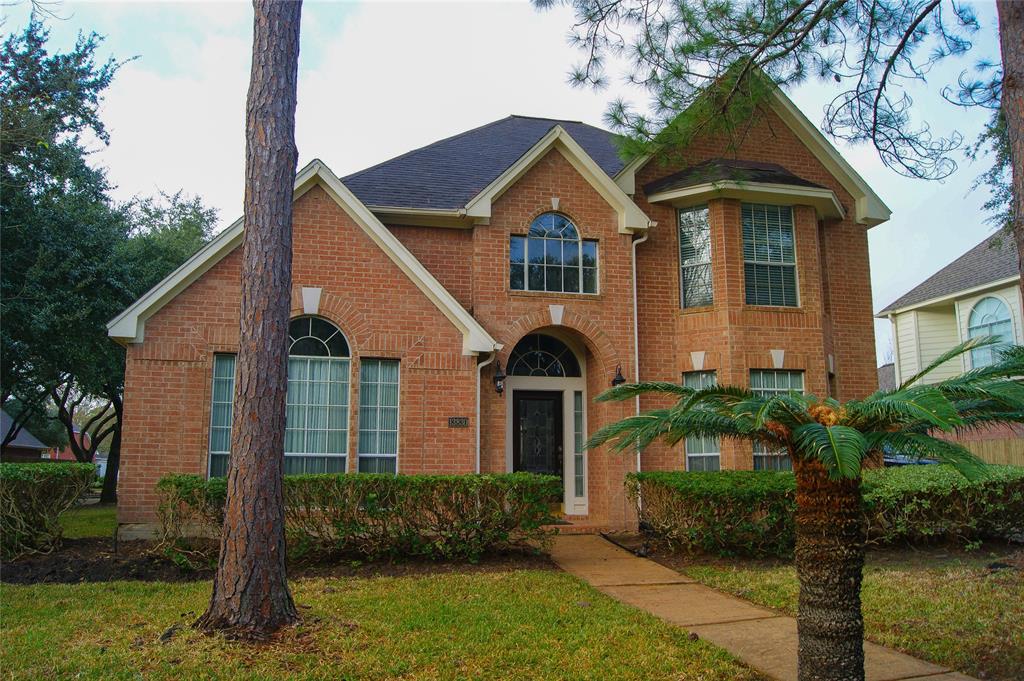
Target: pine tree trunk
(1011, 44)
(250, 590)
(829, 563)
(109, 493)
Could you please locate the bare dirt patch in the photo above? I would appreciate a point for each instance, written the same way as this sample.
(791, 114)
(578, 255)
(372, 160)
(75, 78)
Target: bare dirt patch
(96, 560)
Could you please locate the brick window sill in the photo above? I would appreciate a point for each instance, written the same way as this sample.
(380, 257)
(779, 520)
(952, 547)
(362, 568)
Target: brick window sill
(556, 295)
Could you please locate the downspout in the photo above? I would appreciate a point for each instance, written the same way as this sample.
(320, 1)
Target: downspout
(636, 333)
(479, 371)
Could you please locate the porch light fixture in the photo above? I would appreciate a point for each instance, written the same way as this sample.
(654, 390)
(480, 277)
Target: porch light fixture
(618, 380)
(499, 378)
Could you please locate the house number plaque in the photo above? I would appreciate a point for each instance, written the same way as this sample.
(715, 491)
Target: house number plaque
(458, 422)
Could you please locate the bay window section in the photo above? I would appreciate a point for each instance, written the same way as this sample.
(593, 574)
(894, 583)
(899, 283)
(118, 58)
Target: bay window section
(378, 416)
(695, 286)
(703, 452)
(769, 255)
(767, 382)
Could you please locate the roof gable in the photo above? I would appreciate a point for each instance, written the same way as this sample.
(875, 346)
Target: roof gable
(129, 326)
(24, 439)
(449, 173)
(631, 218)
(993, 260)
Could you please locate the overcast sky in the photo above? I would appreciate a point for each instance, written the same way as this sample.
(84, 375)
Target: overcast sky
(378, 79)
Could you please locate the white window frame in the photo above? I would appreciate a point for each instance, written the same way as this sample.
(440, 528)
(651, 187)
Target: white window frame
(525, 265)
(702, 379)
(771, 263)
(970, 329)
(760, 451)
(211, 453)
(398, 413)
(683, 267)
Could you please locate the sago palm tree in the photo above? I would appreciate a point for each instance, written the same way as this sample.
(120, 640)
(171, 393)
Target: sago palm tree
(829, 443)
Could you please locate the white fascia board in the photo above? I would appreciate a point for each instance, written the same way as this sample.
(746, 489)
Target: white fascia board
(869, 210)
(631, 218)
(128, 327)
(823, 200)
(974, 290)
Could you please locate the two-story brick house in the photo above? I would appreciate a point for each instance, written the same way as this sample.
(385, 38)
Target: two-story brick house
(457, 308)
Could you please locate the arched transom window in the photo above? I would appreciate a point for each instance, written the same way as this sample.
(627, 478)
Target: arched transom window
(989, 317)
(552, 257)
(542, 355)
(316, 432)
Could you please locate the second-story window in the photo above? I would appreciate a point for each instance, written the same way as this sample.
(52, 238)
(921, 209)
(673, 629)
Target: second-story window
(769, 255)
(695, 258)
(552, 257)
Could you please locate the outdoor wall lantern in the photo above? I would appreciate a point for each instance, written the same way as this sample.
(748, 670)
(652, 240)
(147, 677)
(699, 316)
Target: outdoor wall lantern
(618, 380)
(499, 378)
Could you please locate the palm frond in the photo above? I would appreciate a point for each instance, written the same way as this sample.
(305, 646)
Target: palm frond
(840, 449)
(953, 353)
(923, 446)
(718, 397)
(628, 391)
(633, 431)
(903, 407)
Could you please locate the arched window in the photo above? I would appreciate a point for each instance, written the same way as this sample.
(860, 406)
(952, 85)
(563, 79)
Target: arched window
(541, 355)
(989, 317)
(316, 434)
(552, 257)
(316, 430)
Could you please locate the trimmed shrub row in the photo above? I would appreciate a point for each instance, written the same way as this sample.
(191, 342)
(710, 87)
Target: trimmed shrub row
(429, 516)
(752, 512)
(32, 497)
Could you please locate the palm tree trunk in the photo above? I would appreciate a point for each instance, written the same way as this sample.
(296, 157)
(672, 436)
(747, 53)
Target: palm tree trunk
(829, 564)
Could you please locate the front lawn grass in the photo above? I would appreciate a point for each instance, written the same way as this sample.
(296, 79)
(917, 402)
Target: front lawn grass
(953, 611)
(94, 520)
(528, 624)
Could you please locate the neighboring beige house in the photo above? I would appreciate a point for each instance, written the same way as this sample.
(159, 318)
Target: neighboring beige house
(978, 294)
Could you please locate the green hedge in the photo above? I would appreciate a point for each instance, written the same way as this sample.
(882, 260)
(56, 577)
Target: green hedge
(752, 512)
(32, 497)
(432, 516)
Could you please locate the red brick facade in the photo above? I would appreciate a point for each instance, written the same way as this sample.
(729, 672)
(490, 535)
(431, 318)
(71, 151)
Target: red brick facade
(384, 315)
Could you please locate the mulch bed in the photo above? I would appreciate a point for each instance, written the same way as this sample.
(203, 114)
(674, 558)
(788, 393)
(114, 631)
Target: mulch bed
(95, 560)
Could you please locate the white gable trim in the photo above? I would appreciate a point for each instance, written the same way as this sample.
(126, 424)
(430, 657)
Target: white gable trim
(129, 326)
(869, 209)
(631, 218)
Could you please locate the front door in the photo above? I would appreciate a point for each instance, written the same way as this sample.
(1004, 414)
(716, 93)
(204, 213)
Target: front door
(537, 435)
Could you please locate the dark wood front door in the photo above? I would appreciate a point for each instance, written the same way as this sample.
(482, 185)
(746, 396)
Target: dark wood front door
(537, 431)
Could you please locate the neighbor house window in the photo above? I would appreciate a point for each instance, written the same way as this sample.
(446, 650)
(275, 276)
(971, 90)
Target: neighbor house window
(769, 255)
(222, 404)
(703, 452)
(552, 257)
(316, 410)
(695, 258)
(378, 416)
(989, 317)
(767, 382)
(316, 430)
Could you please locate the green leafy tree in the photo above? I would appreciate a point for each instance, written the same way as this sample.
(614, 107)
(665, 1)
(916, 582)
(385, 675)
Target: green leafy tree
(72, 259)
(703, 64)
(829, 443)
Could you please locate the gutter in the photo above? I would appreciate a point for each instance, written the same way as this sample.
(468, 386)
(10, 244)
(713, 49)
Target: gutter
(479, 371)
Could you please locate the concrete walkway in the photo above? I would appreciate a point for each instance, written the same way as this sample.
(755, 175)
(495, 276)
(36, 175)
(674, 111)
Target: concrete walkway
(761, 638)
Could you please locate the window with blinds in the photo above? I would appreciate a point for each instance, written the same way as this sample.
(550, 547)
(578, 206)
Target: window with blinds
(769, 255)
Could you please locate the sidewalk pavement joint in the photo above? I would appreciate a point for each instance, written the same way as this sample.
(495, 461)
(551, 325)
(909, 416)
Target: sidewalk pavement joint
(761, 638)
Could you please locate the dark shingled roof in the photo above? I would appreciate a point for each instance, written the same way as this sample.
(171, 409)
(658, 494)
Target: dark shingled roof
(718, 169)
(24, 439)
(450, 172)
(887, 377)
(993, 259)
